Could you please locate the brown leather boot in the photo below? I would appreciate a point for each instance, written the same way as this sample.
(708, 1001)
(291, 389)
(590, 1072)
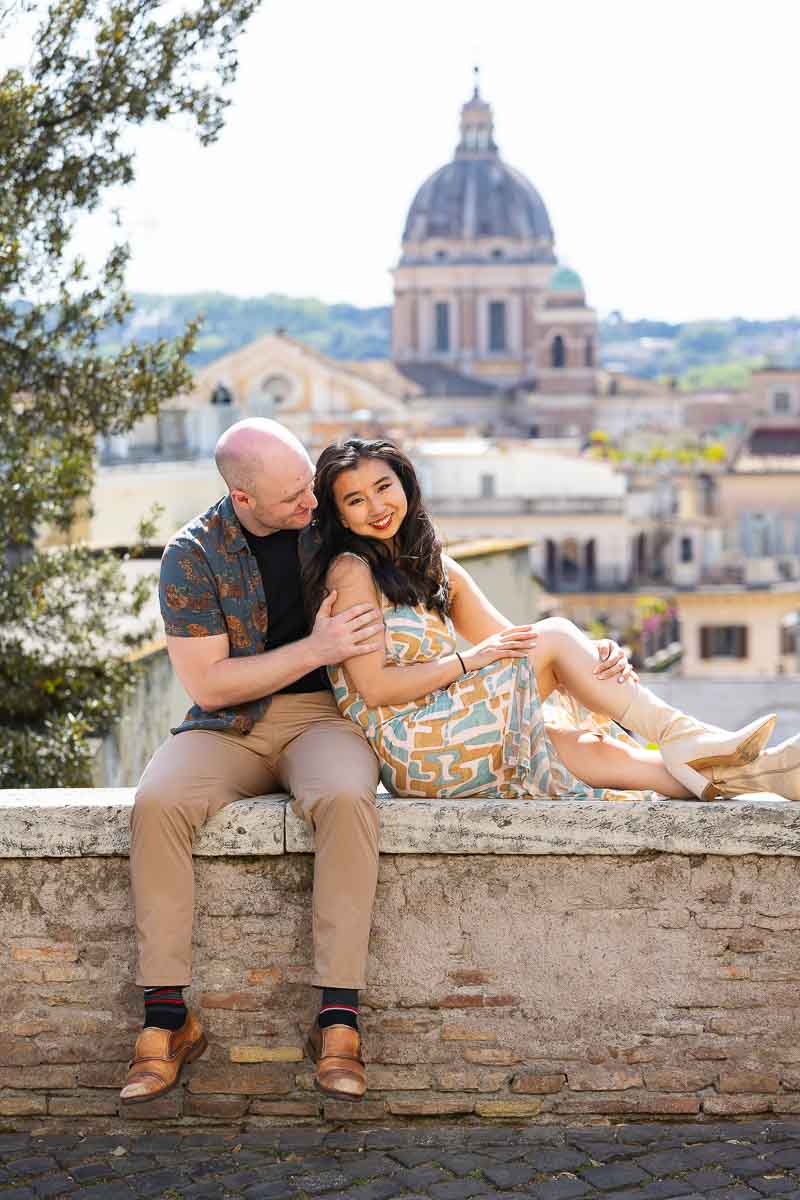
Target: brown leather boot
(340, 1067)
(159, 1057)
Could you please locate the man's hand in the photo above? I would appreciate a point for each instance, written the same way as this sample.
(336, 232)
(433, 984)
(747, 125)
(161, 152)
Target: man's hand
(613, 661)
(357, 630)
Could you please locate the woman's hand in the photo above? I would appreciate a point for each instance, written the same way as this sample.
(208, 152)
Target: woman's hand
(515, 642)
(613, 661)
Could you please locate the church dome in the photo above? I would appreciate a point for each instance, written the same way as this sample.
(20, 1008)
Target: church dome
(477, 195)
(564, 279)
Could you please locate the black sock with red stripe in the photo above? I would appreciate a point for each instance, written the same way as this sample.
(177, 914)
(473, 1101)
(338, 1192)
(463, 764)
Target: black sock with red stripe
(164, 1007)
(339, 1007)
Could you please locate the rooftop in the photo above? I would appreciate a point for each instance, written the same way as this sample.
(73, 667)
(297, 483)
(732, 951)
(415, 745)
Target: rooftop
(436, 379)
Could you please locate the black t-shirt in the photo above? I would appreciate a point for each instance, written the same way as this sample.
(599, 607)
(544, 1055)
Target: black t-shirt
(279, 564)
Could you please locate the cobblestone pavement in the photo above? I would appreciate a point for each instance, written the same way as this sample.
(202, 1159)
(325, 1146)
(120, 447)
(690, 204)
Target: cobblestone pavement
(728, 1161)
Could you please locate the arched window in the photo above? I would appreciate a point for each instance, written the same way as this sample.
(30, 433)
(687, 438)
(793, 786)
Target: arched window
(221, 394)
(558, 351)
(588, 353)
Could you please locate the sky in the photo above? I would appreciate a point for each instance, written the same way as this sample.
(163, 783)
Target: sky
(662, 137)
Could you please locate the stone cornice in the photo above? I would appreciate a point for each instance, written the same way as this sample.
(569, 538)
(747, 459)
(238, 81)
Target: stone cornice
(70, 823)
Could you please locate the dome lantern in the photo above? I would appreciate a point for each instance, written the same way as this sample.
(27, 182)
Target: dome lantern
(477, 124)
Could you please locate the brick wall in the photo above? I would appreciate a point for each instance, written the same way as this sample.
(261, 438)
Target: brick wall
(536, 986)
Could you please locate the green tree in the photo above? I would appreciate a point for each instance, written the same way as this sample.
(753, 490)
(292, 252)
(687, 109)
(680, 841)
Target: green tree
(705, 338)
(725, 376)
(96, 71)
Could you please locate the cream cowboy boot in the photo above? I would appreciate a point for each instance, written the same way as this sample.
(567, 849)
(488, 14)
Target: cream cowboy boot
(776, 770)
(692, 750)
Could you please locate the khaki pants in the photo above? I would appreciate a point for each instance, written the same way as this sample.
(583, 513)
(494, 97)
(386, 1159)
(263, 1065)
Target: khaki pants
(301, 745)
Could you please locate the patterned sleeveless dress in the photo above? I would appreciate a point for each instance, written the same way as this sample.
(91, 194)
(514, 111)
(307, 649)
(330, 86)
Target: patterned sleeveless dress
(483, 736)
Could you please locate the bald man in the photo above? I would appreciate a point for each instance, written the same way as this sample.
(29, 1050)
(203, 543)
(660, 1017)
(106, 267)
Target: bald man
(264, 719)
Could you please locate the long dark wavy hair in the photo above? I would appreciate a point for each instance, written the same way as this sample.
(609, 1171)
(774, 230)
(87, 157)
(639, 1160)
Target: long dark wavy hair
(411, 572)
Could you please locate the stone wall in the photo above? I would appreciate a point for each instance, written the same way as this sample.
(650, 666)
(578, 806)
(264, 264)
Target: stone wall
(158, 704)
(545, 961)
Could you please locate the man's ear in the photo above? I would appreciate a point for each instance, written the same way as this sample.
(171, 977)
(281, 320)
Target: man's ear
(240, 497)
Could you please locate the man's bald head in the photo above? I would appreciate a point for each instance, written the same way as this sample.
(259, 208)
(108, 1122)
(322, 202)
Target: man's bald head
(268, 473)
(251, 446)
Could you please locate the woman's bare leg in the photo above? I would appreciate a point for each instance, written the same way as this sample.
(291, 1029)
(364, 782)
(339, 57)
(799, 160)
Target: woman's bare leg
(602, 761)
(689, 748)
(564, 656)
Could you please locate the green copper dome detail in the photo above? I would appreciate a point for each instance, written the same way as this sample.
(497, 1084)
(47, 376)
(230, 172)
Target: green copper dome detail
(564, 279)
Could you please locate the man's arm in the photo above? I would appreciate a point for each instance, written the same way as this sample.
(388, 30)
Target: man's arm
(215, 680)
(197, 636)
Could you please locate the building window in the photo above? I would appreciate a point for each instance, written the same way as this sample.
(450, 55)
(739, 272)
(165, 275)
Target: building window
(558, 352)
(221, 395)
(497, 252)
(441, 255)
(487, 487)
(788, 634)
(781, 402)
(497, 325)
(687, 549)
(723, 641)
(588, 353)
(442, 326)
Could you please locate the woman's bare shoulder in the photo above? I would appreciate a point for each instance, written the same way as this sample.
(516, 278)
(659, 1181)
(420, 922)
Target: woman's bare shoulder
(456, 574)
(349, 570)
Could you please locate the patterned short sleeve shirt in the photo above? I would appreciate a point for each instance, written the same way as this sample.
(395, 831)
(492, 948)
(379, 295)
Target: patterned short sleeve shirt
(210, 584)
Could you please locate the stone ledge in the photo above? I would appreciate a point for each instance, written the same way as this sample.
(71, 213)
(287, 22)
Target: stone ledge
(79, 822)
(70, 823)
(746, 826)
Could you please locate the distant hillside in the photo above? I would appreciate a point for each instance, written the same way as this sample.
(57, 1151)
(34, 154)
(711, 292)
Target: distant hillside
(700, 354)
(713, 354)
(340, 330)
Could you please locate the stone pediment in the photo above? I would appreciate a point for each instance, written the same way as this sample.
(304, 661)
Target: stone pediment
(278, 374)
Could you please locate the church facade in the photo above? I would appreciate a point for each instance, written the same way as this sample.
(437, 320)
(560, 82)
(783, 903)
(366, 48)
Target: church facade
(484, 316)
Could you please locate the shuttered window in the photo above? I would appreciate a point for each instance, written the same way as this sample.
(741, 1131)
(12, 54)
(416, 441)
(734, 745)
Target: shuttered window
(723, 641)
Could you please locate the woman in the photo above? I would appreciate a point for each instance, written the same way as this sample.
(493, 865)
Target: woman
(447, 724)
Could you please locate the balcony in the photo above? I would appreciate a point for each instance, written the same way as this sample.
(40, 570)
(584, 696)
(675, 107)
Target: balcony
(175, 435)
(608, 579)
(451, 506)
